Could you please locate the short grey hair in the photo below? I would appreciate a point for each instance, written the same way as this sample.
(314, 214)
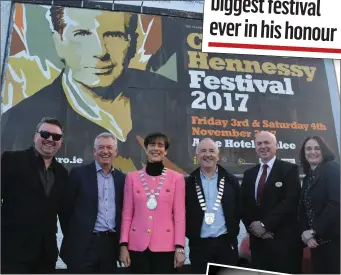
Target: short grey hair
(105, 135)
(198, 147)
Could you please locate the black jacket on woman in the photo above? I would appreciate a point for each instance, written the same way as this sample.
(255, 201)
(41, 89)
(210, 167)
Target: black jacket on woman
(324, 194)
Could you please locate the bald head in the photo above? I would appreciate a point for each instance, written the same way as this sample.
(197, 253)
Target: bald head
(267, 134)
(266, 145)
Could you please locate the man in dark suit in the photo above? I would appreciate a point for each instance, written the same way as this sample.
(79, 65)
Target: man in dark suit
(212, 223)
(32, 188)
(270, 193)
(94, 205)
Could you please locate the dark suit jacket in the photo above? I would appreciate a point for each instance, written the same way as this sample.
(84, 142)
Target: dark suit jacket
(325, 201)
(278, 207)
(82, 209)
(28, 216)
(230, 204)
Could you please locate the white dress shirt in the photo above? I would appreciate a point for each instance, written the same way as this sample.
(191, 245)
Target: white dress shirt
(268, 170)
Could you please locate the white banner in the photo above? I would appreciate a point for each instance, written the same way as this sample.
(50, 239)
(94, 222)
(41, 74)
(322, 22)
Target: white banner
(305, 28)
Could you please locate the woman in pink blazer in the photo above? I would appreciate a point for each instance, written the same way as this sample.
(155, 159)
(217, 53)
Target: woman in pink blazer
(153, 217)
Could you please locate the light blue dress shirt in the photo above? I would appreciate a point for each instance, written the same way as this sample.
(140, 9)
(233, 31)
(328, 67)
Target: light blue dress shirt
(210, 187)
(106, 201)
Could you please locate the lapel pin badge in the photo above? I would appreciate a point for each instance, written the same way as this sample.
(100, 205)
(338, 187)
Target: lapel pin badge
(278, 184)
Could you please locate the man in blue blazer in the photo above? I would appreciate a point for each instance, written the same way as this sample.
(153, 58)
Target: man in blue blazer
(94, 210)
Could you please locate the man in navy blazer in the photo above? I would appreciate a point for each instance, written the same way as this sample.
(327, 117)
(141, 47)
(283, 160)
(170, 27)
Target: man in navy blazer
(94, 211)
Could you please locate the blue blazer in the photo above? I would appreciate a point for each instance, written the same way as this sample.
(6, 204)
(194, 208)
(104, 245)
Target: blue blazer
(81, 206)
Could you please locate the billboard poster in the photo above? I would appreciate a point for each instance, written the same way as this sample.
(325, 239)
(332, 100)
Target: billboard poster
(132, 74)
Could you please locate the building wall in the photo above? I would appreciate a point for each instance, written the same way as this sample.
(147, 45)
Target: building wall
(5, 8)
(338, 72)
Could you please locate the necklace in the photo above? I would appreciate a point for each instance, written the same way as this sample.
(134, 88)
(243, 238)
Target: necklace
(210, 216)
(151, 194)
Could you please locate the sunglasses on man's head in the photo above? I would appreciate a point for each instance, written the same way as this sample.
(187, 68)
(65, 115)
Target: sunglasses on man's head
(46, 135)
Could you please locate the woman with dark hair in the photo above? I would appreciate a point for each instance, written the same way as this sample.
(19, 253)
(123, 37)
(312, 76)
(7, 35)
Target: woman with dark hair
(319, 209)
(153, 217)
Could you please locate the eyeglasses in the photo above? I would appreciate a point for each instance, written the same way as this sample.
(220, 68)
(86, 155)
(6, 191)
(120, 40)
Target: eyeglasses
(46, 135)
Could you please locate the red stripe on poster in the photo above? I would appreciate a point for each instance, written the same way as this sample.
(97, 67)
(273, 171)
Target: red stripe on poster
(272, 47)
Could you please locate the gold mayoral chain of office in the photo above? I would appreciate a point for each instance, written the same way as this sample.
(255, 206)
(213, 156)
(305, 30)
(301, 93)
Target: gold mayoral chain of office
(151, 194)
(210, 216)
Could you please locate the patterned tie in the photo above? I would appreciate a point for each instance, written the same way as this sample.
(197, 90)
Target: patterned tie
(261, 183)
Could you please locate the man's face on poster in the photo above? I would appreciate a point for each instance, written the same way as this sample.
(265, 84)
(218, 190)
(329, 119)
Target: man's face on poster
(94, 45)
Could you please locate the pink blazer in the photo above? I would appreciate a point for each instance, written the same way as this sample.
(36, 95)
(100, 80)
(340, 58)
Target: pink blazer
(159, 229)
